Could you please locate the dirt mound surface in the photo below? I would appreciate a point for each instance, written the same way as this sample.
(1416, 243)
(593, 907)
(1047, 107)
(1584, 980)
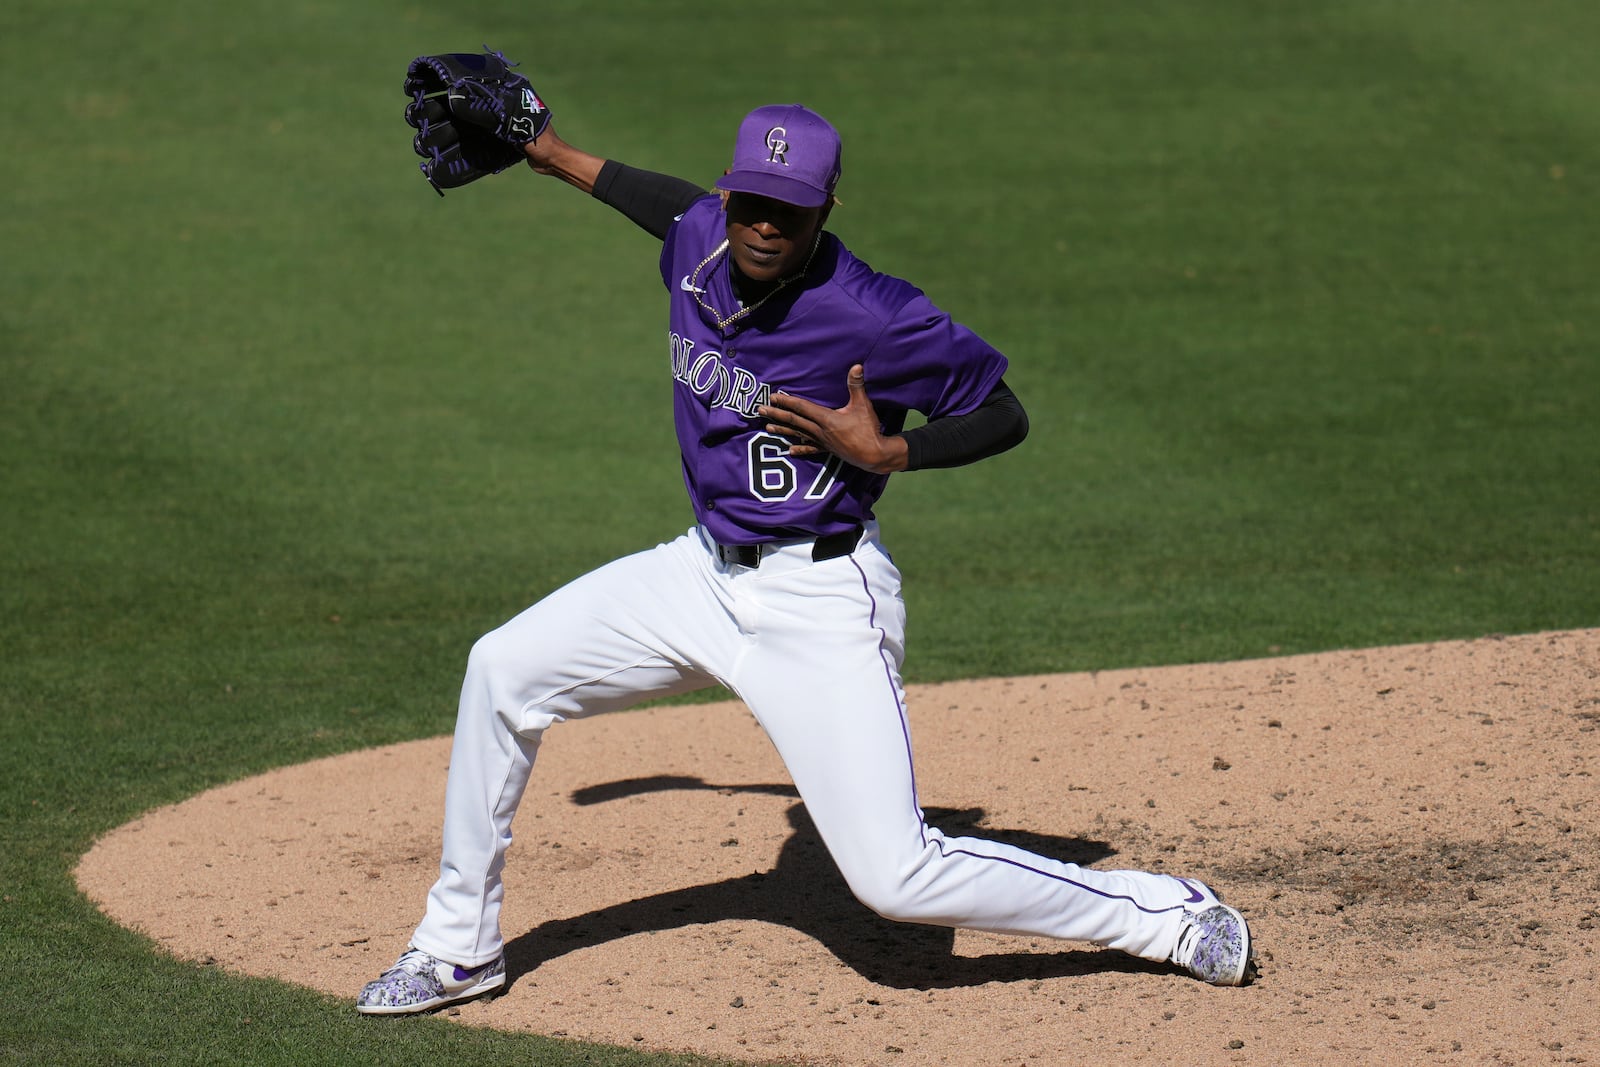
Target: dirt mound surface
(1412, 832)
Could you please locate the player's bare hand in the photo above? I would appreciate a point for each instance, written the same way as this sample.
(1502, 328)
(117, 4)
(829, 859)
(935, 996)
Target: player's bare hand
(853, 432)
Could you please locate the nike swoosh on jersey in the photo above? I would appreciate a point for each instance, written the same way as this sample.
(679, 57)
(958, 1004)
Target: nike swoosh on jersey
(688, 286)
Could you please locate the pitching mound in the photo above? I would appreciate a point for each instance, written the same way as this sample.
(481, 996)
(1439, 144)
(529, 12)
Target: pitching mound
(1411, 831)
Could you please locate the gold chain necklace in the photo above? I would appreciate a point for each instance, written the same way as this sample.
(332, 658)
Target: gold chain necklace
(723, 323)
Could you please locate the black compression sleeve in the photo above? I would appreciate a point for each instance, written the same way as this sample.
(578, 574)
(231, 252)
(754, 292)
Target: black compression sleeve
(995, 425)
(651, 200)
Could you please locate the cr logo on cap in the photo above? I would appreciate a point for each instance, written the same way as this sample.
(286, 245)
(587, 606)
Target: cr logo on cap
(777, 146)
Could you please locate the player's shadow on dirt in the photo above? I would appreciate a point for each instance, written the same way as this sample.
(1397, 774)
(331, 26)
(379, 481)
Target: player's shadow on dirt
(804, 890)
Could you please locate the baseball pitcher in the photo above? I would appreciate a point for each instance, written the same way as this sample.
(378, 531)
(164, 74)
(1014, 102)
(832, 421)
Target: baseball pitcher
(794, 366)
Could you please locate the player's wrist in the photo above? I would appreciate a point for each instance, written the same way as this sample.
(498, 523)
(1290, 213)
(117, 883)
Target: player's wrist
(894, 455)
(551, 156)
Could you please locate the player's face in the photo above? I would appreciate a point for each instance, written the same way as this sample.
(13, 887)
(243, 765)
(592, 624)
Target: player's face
(769, 239)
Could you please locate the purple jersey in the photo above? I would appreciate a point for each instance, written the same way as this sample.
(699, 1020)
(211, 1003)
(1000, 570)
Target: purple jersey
(744, 485)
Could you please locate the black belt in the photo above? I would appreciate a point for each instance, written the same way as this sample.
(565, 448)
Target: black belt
(830, 547)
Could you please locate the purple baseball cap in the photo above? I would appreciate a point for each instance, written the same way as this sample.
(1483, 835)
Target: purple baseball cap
(787, 152)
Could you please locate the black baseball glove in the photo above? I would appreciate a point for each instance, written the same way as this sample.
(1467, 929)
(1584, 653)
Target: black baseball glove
(472, 114)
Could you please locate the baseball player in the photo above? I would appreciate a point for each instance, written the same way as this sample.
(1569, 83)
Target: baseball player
(793, 368)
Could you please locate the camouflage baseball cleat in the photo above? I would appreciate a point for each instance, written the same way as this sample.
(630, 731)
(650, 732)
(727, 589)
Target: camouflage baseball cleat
(1214, 946)
(420, 982)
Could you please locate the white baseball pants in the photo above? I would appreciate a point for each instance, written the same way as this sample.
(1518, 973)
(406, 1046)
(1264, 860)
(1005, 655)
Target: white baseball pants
(814, 649)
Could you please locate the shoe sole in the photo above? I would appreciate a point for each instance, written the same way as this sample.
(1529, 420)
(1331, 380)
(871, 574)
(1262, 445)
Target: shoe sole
(488, 985)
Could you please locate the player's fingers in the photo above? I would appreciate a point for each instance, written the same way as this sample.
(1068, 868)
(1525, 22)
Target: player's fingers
(793, 416)
(857, 381)
(793, 433)
(783, 402)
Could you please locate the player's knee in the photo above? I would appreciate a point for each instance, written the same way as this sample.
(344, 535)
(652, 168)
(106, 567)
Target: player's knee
(889, 894)
(492, 655)
(500, 676)
(491, 670)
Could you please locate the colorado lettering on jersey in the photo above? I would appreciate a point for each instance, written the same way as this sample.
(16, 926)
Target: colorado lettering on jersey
(707, 376)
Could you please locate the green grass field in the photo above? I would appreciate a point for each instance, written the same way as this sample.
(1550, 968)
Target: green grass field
(1300, 299)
